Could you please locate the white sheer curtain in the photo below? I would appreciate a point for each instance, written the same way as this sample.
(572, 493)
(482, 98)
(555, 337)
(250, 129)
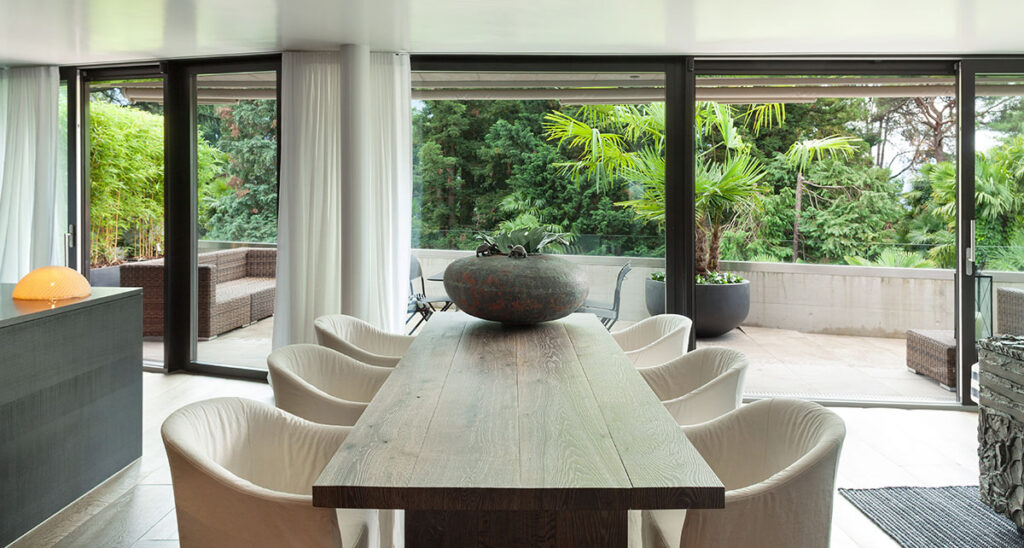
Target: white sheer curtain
(343, 228)
(390, 186)
(30, 192)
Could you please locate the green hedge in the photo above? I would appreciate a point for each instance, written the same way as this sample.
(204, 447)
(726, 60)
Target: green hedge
(126, 172)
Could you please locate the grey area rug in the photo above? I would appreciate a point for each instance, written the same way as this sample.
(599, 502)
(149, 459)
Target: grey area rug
(927, 517)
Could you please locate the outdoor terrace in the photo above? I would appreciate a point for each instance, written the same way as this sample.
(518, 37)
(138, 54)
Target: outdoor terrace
(814, 331)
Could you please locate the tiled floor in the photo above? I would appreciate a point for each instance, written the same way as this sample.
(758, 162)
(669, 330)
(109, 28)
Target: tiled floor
(782, 362)
(883, 447)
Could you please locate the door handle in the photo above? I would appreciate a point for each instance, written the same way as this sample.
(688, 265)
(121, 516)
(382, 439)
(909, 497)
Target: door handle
(970, 251)
(69, 243)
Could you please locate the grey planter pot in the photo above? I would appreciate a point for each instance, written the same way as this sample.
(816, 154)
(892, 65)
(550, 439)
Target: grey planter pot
(720, 307)
(654, 295)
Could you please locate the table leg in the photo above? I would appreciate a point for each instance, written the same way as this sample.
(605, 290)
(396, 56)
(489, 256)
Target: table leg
(591, 529)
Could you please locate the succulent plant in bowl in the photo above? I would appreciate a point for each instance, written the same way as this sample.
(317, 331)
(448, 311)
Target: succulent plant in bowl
(511, 281)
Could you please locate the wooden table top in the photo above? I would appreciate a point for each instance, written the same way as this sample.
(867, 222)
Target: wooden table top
(482, 417)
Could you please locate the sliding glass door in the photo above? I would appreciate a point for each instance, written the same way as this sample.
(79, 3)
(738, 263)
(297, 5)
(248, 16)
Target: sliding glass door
(222, 183)
(809, 187)
(122, 190)
(236, 160)
(992, 204)
(589, 148)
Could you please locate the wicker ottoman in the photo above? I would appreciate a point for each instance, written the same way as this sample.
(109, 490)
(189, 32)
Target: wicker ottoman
(933, 353)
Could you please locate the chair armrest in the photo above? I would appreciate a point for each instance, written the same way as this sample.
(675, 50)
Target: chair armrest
(207, 288)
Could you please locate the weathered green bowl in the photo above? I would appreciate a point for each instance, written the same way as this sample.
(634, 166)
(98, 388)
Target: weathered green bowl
(517, 291)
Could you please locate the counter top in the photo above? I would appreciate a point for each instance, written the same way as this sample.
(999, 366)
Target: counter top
(16, 311)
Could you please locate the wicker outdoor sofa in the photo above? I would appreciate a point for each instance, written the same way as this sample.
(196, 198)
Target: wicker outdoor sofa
(1010, 316)
(236, 288)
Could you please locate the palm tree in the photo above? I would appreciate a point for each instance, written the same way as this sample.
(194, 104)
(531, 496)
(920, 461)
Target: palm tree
(800, 156)
(894, 258)
(625, 144)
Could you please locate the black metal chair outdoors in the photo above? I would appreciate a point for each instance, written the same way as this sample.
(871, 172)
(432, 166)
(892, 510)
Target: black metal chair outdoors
(607, 312)
(417, 306)
(415, 271)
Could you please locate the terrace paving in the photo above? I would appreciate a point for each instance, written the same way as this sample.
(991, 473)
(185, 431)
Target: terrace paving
(783, 362)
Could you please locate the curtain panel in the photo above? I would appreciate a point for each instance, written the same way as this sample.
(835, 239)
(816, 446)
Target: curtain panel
(391, 187)
(346, 187)
(31, 194)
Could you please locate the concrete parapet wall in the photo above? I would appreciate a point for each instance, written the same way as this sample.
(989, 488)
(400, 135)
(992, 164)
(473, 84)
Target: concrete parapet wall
(836, 299)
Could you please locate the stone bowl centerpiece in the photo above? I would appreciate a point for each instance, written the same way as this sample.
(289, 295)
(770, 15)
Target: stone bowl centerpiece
(510, 281)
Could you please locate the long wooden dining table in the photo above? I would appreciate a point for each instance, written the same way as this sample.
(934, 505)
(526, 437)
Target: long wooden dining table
(491, 435)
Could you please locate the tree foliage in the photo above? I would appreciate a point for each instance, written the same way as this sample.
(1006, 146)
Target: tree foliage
(481, 165)
(242, 207)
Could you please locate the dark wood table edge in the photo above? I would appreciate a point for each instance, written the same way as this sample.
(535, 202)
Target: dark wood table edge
(516, 499)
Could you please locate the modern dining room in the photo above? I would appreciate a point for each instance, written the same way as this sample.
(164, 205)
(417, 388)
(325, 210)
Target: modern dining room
(348, 319)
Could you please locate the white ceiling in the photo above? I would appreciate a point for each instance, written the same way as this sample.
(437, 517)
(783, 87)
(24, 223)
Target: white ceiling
(98, 31)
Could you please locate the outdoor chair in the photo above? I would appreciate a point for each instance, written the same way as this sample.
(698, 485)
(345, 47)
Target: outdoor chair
(701, 385)
(655, 340)
(322, 385)
(416, 271)
(360, 340)
(608, 312)
(243, 473)
(777, 459)
(418, 306)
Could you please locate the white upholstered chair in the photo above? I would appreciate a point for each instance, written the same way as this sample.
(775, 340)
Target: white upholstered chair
(243, 473)
(322, 385)
(655, 340)
(777, 459)
(360, 340)
(700, 385)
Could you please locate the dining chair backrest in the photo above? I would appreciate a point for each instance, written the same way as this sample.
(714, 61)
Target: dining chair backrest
(242, 474)
(360, 340)
(655, 340)
(323, 385)
(701, 385)
(781, 498)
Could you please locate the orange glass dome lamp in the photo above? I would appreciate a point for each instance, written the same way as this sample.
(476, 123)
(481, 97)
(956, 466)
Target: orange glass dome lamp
(52, 283)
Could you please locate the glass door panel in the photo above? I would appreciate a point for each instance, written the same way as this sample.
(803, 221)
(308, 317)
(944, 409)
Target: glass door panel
(236, 181)
(125, 192)
(814, 189)
(496, 151)
(998, 227)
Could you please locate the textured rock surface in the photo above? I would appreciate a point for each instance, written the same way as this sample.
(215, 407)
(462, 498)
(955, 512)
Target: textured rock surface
(1000, 450)
(509, 290)
(1001, 425)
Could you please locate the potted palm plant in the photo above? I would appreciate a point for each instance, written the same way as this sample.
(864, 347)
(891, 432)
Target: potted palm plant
(626, 143)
